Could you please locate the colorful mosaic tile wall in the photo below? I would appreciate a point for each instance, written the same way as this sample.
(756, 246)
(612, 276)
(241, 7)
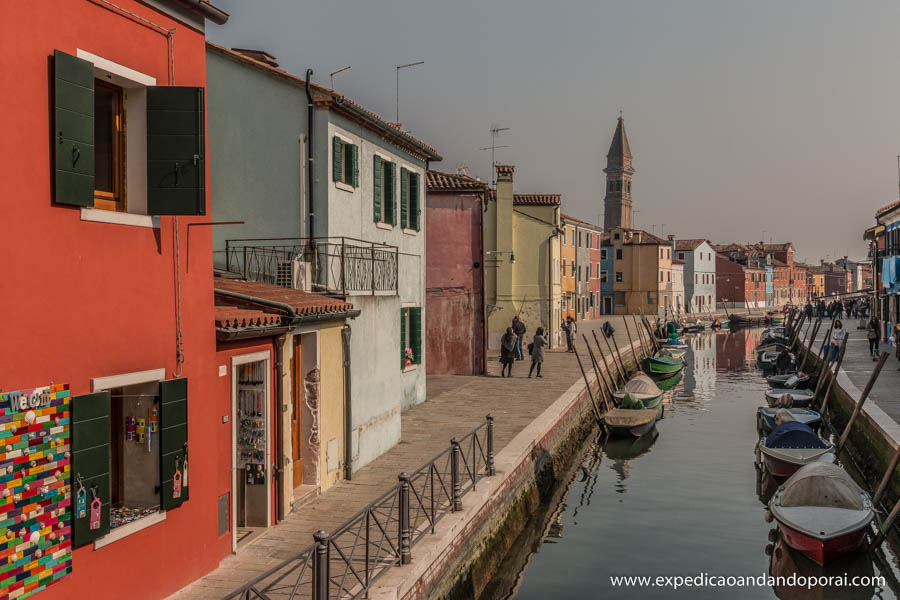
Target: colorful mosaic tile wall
(35, 497)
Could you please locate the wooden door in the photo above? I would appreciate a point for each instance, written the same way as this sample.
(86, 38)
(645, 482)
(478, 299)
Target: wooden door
(297, 415)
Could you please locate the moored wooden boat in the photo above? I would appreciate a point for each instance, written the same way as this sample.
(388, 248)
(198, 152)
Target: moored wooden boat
(673, 352)
(767, 418)
(631, 421)
(694, 328)
(662, 366)
(821, 512)
(675, 344)
(790, 446)
(747, 320)
(790, 381)
(642, 388)
(778, 398)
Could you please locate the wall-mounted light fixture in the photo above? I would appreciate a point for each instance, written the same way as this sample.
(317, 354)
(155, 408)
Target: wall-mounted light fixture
(512, 257)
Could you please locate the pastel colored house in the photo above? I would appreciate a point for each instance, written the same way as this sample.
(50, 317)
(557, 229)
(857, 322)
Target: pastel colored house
(337, 209)
(522, 260)
(642, 271)
(699, 274)
(454, 274)
(108, 272)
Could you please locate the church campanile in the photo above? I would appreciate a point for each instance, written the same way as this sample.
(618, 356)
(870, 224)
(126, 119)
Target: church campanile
(617, 203)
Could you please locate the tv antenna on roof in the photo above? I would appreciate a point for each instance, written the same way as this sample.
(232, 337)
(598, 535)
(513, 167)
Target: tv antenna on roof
(495, 132)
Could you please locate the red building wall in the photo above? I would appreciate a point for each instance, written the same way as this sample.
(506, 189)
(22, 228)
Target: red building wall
(87, 299)
(454, 308)
(730, 284)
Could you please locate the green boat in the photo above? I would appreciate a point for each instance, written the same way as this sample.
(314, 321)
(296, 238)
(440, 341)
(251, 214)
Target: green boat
(640, 387)
(662, 366)
(669, 382)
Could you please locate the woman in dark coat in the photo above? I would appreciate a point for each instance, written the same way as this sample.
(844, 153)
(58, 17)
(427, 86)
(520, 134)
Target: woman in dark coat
(537, 351)
(507, 352)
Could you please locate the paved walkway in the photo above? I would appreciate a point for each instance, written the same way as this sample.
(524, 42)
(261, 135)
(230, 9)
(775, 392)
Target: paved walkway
(858, 366)
(455, 405)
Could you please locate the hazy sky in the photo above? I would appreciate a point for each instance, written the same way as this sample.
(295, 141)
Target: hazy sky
(742, 116)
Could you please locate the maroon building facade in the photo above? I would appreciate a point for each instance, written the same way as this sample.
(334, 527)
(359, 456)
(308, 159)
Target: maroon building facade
(454, 279)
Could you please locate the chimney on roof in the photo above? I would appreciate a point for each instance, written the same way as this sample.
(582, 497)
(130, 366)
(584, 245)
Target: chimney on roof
(258, 55)
(505, 173)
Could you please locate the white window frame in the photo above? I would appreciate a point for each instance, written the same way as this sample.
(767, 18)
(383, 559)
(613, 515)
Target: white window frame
(135, 85)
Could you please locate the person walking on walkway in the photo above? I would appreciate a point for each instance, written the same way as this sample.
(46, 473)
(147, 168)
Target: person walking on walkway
(897, 342)
(537, 351)
(519, 329)
(507, 352)
(872, 333)
(837, 338)
(571, 331)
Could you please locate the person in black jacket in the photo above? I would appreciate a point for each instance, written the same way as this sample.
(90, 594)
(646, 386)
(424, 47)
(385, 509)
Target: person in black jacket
(519, 329)
(507, 352)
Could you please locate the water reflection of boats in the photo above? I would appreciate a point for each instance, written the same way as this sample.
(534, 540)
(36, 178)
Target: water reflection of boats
(766, 485)
(630, 448)
(785, 563)
(669, 382)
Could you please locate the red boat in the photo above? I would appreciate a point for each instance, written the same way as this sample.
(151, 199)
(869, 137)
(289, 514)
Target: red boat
(821, 512)
(792, 445)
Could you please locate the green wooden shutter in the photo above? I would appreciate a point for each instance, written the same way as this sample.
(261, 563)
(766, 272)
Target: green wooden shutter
(336, 166)
(73, 137)
(390, 200)
(90, 461)
(415, 333)
(403, 338)
(376, 189)
(173, 438)
(354, 162)
(176, 151)
(414, 201)
(404, 198)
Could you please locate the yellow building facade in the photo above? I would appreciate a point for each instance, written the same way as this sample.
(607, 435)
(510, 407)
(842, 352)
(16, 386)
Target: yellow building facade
(522, 260)
(641, 273)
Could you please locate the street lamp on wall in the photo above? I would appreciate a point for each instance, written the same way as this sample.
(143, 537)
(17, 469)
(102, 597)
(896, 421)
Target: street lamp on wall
(512, 257)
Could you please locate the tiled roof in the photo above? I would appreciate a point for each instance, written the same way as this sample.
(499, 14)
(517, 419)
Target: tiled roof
(303, 303)
(537, 199)
(887, 208)
(776, 247)
(506, 169)
(687, 244)
(573, 220)
(441, 182)
(231, 317)
(648, 238)
(383, 125)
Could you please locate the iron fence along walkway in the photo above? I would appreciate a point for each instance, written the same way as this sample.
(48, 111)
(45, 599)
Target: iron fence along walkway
(345, 563)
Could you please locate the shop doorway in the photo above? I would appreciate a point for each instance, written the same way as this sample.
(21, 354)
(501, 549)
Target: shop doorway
(251, 489)
(607, 305)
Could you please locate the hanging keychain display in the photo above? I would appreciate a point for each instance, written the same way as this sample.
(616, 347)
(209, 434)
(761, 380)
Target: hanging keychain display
(95, 508)
(184, 467)
(81, 499)
(176, 481)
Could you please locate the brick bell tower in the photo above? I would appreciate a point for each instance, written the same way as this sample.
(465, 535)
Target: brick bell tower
(617, 203)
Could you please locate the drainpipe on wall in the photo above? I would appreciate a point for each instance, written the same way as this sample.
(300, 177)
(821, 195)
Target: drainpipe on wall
(278, 467)
(309, 160)
(484, 332)
(550, 286)
(348, 406)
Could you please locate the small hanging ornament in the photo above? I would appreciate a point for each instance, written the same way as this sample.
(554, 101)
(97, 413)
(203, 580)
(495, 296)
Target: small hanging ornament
(80, 500)
(184, 468)
(95, 509)
(176, 481)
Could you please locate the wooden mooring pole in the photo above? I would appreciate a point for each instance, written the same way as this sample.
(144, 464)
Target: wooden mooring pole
(599, 373)
(619, 353)
(832, 376)
(862, 400)
(640, 335)
(637, 363)
(603, 356)
(887, 477)
(808, 342)
(587, 384)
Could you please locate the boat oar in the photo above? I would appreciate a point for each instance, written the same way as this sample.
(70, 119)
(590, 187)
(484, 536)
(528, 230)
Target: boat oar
(832, 376)
(588, 386)
(637, 363)
(608, 347)
(599, 373)
(862, 400)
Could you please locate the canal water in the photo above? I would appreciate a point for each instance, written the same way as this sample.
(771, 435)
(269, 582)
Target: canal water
(683, 501)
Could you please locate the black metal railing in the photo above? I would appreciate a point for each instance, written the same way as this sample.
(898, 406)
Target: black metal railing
(345, 563)
(339, 265)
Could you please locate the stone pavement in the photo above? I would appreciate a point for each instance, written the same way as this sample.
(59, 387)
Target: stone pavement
(455, 405)
(858, 366)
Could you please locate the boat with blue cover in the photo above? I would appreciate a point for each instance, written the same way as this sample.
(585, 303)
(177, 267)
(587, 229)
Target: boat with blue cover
(790, 446)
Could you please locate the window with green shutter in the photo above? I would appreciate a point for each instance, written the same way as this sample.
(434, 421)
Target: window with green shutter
(337, 153)
(404, 316)
(90, 462)
(390, 200)
(173, 440)
(73, 137)
(354, 162)
(176, 151)
(404, 198)
(377, 187)
(414, 201)
(415, 334)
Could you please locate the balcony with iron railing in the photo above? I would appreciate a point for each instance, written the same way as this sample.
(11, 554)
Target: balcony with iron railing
(338, 266)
